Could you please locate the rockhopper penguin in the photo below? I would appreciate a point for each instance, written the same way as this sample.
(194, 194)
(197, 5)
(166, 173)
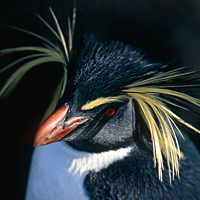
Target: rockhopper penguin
(114, 134)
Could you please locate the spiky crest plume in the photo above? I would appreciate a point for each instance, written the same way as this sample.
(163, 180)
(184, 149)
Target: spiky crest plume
(149, 92)
(49, 53)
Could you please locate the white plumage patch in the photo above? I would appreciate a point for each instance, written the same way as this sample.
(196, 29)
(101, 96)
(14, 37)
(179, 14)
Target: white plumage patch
(83, 161)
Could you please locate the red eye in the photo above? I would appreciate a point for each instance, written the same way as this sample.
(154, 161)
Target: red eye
(110, 112)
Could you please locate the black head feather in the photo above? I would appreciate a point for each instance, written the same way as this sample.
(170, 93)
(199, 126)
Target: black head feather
(104, 68)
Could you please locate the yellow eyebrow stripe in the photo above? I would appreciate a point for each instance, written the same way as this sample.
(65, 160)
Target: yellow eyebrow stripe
(100, 101)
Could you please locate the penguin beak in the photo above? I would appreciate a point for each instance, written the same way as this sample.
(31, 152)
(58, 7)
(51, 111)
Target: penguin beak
(57, 126)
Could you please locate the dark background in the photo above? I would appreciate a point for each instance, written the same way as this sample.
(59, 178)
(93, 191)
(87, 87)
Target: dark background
(163, 29)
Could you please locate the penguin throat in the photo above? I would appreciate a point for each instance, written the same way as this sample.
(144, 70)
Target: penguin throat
(84, 161)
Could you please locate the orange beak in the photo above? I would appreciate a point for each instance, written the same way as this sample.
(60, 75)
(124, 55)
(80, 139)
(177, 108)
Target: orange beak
(55, 127)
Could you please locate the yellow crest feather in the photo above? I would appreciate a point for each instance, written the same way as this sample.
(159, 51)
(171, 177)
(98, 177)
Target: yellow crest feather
(49, 53)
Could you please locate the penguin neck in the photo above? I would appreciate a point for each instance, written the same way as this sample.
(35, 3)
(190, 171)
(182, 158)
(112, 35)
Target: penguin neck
(126, 173)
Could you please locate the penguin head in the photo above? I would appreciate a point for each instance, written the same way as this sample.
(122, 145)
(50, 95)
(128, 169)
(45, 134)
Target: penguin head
(87, 119)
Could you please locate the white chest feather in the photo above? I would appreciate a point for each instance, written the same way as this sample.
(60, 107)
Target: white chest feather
(58, 171)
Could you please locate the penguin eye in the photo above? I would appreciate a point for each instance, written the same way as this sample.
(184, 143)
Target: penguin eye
(110, 112)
